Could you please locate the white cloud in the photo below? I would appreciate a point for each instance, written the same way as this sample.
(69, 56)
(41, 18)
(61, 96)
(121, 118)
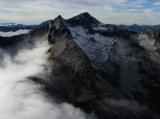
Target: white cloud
(11, 33)
(157, 3)
(109, 11)
(23, 99)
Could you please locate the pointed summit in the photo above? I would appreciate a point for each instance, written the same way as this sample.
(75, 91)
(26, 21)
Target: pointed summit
(85, 15)
(84, 19)
(58, 27)
(58, 22)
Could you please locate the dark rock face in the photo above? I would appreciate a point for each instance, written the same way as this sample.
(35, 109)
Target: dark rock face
(117, 33)
(149, 65)
(58, 28)
(84, 19)
(9, 41)
(68, 59)
(149, 72)
(41, 29)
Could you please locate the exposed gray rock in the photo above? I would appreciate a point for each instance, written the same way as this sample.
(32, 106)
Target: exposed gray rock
(150, 40)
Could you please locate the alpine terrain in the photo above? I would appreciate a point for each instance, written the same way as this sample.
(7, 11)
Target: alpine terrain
(80, 68)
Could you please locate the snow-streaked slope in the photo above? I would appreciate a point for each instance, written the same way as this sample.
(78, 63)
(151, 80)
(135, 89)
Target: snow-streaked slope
(96, 47)
(113, 55)
(12, 33)
(101, 27)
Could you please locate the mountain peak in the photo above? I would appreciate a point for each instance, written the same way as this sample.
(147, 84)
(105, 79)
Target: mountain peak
(84, 14)
(84, 19)
(59, 17)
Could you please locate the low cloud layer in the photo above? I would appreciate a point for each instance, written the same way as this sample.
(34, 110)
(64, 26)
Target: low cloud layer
(20, 98)
(11, 33)
(108, 11)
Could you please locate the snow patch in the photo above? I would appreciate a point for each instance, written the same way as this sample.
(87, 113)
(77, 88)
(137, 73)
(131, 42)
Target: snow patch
(100, 27)
(96, 47)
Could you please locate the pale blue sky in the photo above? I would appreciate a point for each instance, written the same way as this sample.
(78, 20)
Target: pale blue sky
(108, 11)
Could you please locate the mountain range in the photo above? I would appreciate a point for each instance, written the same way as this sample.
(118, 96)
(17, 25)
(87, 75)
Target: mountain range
(140, 28)
(135, 27)
(14, 27)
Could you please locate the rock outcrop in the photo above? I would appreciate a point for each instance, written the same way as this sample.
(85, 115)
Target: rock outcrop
(150, 40)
